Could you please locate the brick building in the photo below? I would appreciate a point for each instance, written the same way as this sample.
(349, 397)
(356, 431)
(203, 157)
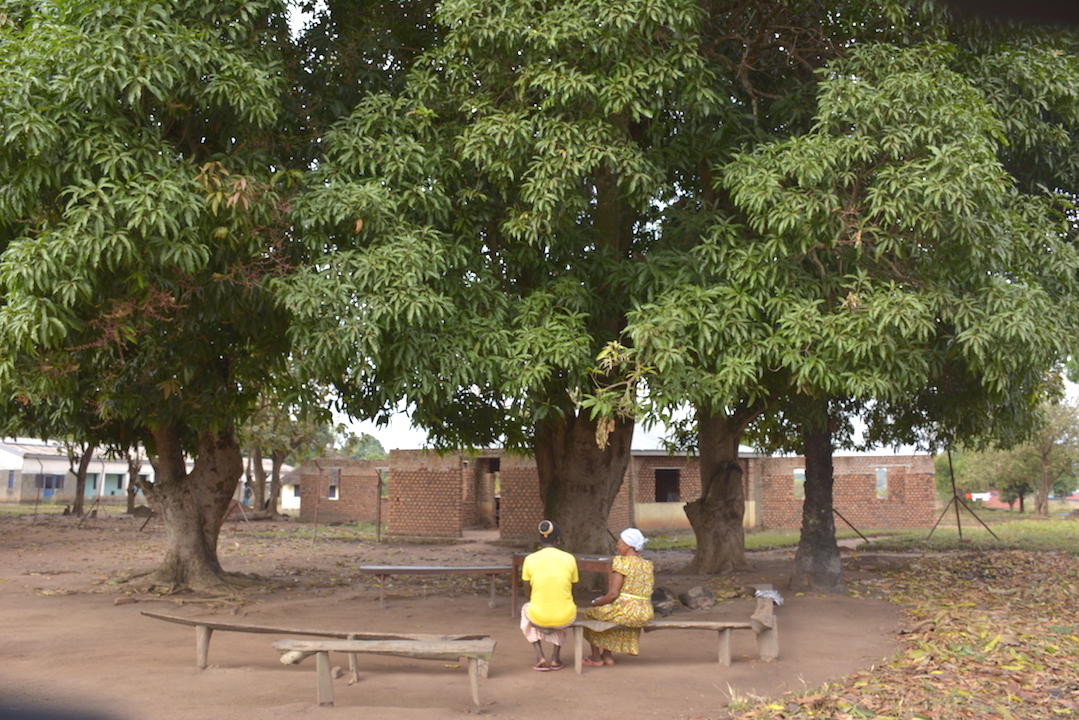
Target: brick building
(341, 490)
(429, 495)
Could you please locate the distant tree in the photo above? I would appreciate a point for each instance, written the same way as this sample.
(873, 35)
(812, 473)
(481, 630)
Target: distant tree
(79, 456)
(133, 455)
(1015, 489)
(283, 423)
(1046, 464)
(361, 447)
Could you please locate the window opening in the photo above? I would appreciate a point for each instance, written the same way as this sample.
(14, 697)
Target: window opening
(667, 485)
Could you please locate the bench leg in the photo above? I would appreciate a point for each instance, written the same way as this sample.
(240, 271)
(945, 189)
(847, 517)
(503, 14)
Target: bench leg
(202, 645)
(725, 647)
(474, 679)
(354, 667)
(382, 591)
(491, 603)
(482, 665)
(578, 648)
(513, 594)
(325, 682)
(768, 640)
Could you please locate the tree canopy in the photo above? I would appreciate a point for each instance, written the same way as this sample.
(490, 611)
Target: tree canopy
(755, 207)
(141, 218)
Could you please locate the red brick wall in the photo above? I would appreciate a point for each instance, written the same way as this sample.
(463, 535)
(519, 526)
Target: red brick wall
(910, 502)
(357, 490)
(438, 496)
(426, 493)
(521, 507)
(689, 475)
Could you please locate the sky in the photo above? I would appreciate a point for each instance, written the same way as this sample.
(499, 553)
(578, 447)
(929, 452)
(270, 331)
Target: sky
(400, 435)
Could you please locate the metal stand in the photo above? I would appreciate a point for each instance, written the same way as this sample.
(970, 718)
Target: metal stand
(956, 500)
(840, 516)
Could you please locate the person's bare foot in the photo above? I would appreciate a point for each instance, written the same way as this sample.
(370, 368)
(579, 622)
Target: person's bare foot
(592, 663)
(541, 666)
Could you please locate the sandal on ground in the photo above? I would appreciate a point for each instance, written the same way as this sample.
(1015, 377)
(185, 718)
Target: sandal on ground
(592, 663)
(541, 666)
(556, 666)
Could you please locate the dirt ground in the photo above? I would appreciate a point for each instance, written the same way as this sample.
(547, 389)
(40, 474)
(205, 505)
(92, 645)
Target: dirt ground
(74, 643)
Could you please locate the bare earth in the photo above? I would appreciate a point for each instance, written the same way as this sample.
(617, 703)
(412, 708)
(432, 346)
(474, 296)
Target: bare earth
(74, 643)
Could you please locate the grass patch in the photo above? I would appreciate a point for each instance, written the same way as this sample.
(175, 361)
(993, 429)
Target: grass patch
(1030, 533)
(348, 531)
(45, 508)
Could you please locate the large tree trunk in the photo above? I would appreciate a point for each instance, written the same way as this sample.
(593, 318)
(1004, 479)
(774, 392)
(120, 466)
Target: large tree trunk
(717, 515)
(193, 506)
(818, 566)
(579, 480)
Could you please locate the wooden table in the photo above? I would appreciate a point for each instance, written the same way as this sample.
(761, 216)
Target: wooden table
(584, 562)
(384, 571)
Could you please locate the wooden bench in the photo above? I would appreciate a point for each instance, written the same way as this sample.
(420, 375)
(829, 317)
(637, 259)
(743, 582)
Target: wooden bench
(762, 622)
(204, 628)
(477, 652)
(384, 571)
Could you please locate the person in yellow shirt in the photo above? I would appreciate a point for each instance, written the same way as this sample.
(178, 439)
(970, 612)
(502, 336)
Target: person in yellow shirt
(551, 573)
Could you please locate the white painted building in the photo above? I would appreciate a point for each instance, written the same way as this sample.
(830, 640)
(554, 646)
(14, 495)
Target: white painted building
(38, 471)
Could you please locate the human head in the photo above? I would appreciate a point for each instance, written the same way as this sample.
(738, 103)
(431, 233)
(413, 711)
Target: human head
(634, 538)
(549, 533)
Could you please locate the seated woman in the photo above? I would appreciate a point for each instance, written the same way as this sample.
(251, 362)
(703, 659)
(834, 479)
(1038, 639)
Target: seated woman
(628, 602)
(551, 573)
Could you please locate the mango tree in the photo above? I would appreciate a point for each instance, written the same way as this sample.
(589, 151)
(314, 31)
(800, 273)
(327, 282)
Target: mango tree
(141, 221)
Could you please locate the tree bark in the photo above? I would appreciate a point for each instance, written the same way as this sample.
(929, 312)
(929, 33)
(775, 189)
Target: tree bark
(717, 516)
(1041, 497)
(79, 471)
(258, 496)
(134, 465)
(193, 507)
(818, 566)
(277, 457)
(579, 480)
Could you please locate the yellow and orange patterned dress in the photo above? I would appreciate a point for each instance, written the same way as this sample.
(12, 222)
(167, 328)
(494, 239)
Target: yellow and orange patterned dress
(632, 609)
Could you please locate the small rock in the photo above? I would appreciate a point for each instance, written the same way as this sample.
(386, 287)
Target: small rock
(698, 598)
(663, 601)
(125, 600)
(337, 672)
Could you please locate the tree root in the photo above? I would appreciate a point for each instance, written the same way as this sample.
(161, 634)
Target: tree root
(227, 588)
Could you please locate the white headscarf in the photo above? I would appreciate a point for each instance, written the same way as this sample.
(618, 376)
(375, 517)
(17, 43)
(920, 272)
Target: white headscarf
(634, 538)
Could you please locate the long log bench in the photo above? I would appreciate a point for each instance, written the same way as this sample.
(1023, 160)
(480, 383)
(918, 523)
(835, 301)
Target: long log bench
(477, 652)
(204, 629)
(762, 622)
(382, 572)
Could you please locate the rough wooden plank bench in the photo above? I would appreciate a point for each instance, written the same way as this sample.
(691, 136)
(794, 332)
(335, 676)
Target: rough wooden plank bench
(384, 571)
(762, 622)
(477, 652)
(204, 628)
